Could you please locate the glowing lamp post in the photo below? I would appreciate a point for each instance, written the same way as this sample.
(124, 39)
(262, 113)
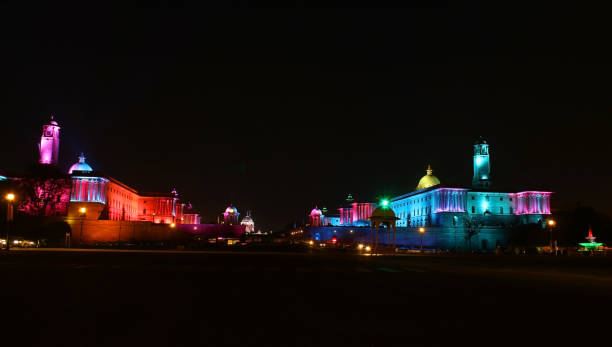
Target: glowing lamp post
(551, 224)
(421, 232)
(10, 197)
(82, 212)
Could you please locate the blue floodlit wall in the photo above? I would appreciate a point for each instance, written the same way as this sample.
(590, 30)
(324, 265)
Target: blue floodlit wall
(335, 221)
(451, 239)
(489, 203)
(454, 207)
(428, 207)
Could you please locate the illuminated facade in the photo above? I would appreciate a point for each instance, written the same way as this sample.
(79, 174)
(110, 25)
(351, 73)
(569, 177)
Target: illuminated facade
(49, 143)
(161, 208)
(447, 210)
(97, 208)
(231, 215)
(248, 223)
(121, 202)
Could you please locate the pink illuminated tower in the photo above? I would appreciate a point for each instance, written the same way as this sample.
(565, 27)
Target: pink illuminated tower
(49, 143)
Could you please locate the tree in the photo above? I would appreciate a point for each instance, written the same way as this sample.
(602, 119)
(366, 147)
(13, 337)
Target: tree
(45, 191)
(472, 228)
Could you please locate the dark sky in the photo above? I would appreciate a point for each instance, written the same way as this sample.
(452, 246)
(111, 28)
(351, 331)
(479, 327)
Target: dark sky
(278, 110)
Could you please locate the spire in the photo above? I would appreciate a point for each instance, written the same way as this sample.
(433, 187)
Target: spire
(81, 157)
(429, 170)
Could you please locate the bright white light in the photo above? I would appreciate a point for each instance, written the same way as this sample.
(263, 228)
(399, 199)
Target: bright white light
(484, 205)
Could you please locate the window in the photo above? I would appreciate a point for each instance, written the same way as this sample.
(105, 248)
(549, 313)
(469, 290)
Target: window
(501, 198)
(472, 197)
(501, 210)
(473, 209)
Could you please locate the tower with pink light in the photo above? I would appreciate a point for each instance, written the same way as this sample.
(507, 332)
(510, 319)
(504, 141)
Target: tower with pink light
(49, 143)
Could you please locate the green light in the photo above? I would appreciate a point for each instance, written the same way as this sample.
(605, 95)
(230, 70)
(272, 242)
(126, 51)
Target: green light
(591, 245)
(384, 202)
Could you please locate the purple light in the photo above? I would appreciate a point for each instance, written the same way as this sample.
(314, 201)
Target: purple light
(449, 200)
(531, 202)
(49, 143)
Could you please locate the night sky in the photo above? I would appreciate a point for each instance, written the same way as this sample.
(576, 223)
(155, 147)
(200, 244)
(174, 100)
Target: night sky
(279, 110)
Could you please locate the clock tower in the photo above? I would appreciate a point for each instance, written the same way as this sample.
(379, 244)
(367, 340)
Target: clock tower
(49, 143)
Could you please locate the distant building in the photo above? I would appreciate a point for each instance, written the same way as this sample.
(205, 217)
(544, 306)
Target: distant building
(248, 223)
(447, 210)
(231, 215)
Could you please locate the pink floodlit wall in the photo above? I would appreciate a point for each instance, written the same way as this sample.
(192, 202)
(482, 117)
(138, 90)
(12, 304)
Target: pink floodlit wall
(449, 200)
(191, 218)
(358, 212)
(49, 144)
(531, 202)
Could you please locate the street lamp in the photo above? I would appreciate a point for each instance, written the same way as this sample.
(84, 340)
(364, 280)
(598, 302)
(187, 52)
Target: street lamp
(82, 210)
(10, 197)
(551, 224)
(421, 232)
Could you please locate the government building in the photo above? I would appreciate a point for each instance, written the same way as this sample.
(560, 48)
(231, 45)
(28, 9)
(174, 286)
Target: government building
(477, 217)
(97, 208)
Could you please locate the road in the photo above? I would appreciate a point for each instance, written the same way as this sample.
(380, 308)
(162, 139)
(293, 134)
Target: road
(107, 298)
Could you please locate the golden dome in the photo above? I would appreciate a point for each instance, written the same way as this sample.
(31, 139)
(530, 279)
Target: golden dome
(428, 180)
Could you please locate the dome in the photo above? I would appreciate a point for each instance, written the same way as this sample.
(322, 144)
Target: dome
(428, 180)
(316, 212)
(80, 166)
(383, 212)
(231, 210)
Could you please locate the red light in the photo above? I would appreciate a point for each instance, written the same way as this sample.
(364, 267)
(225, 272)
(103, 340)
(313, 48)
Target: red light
(334, 239)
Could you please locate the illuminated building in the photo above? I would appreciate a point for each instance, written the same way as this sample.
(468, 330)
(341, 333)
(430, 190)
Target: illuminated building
(355, 213)
(352, 213)
(316, 217)
(230, 216)
(482, 167)
(49, 143)
(95, 207)
(248, 223)
(447, 211)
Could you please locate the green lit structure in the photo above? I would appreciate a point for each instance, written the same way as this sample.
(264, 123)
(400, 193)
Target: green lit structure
(590, 246)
